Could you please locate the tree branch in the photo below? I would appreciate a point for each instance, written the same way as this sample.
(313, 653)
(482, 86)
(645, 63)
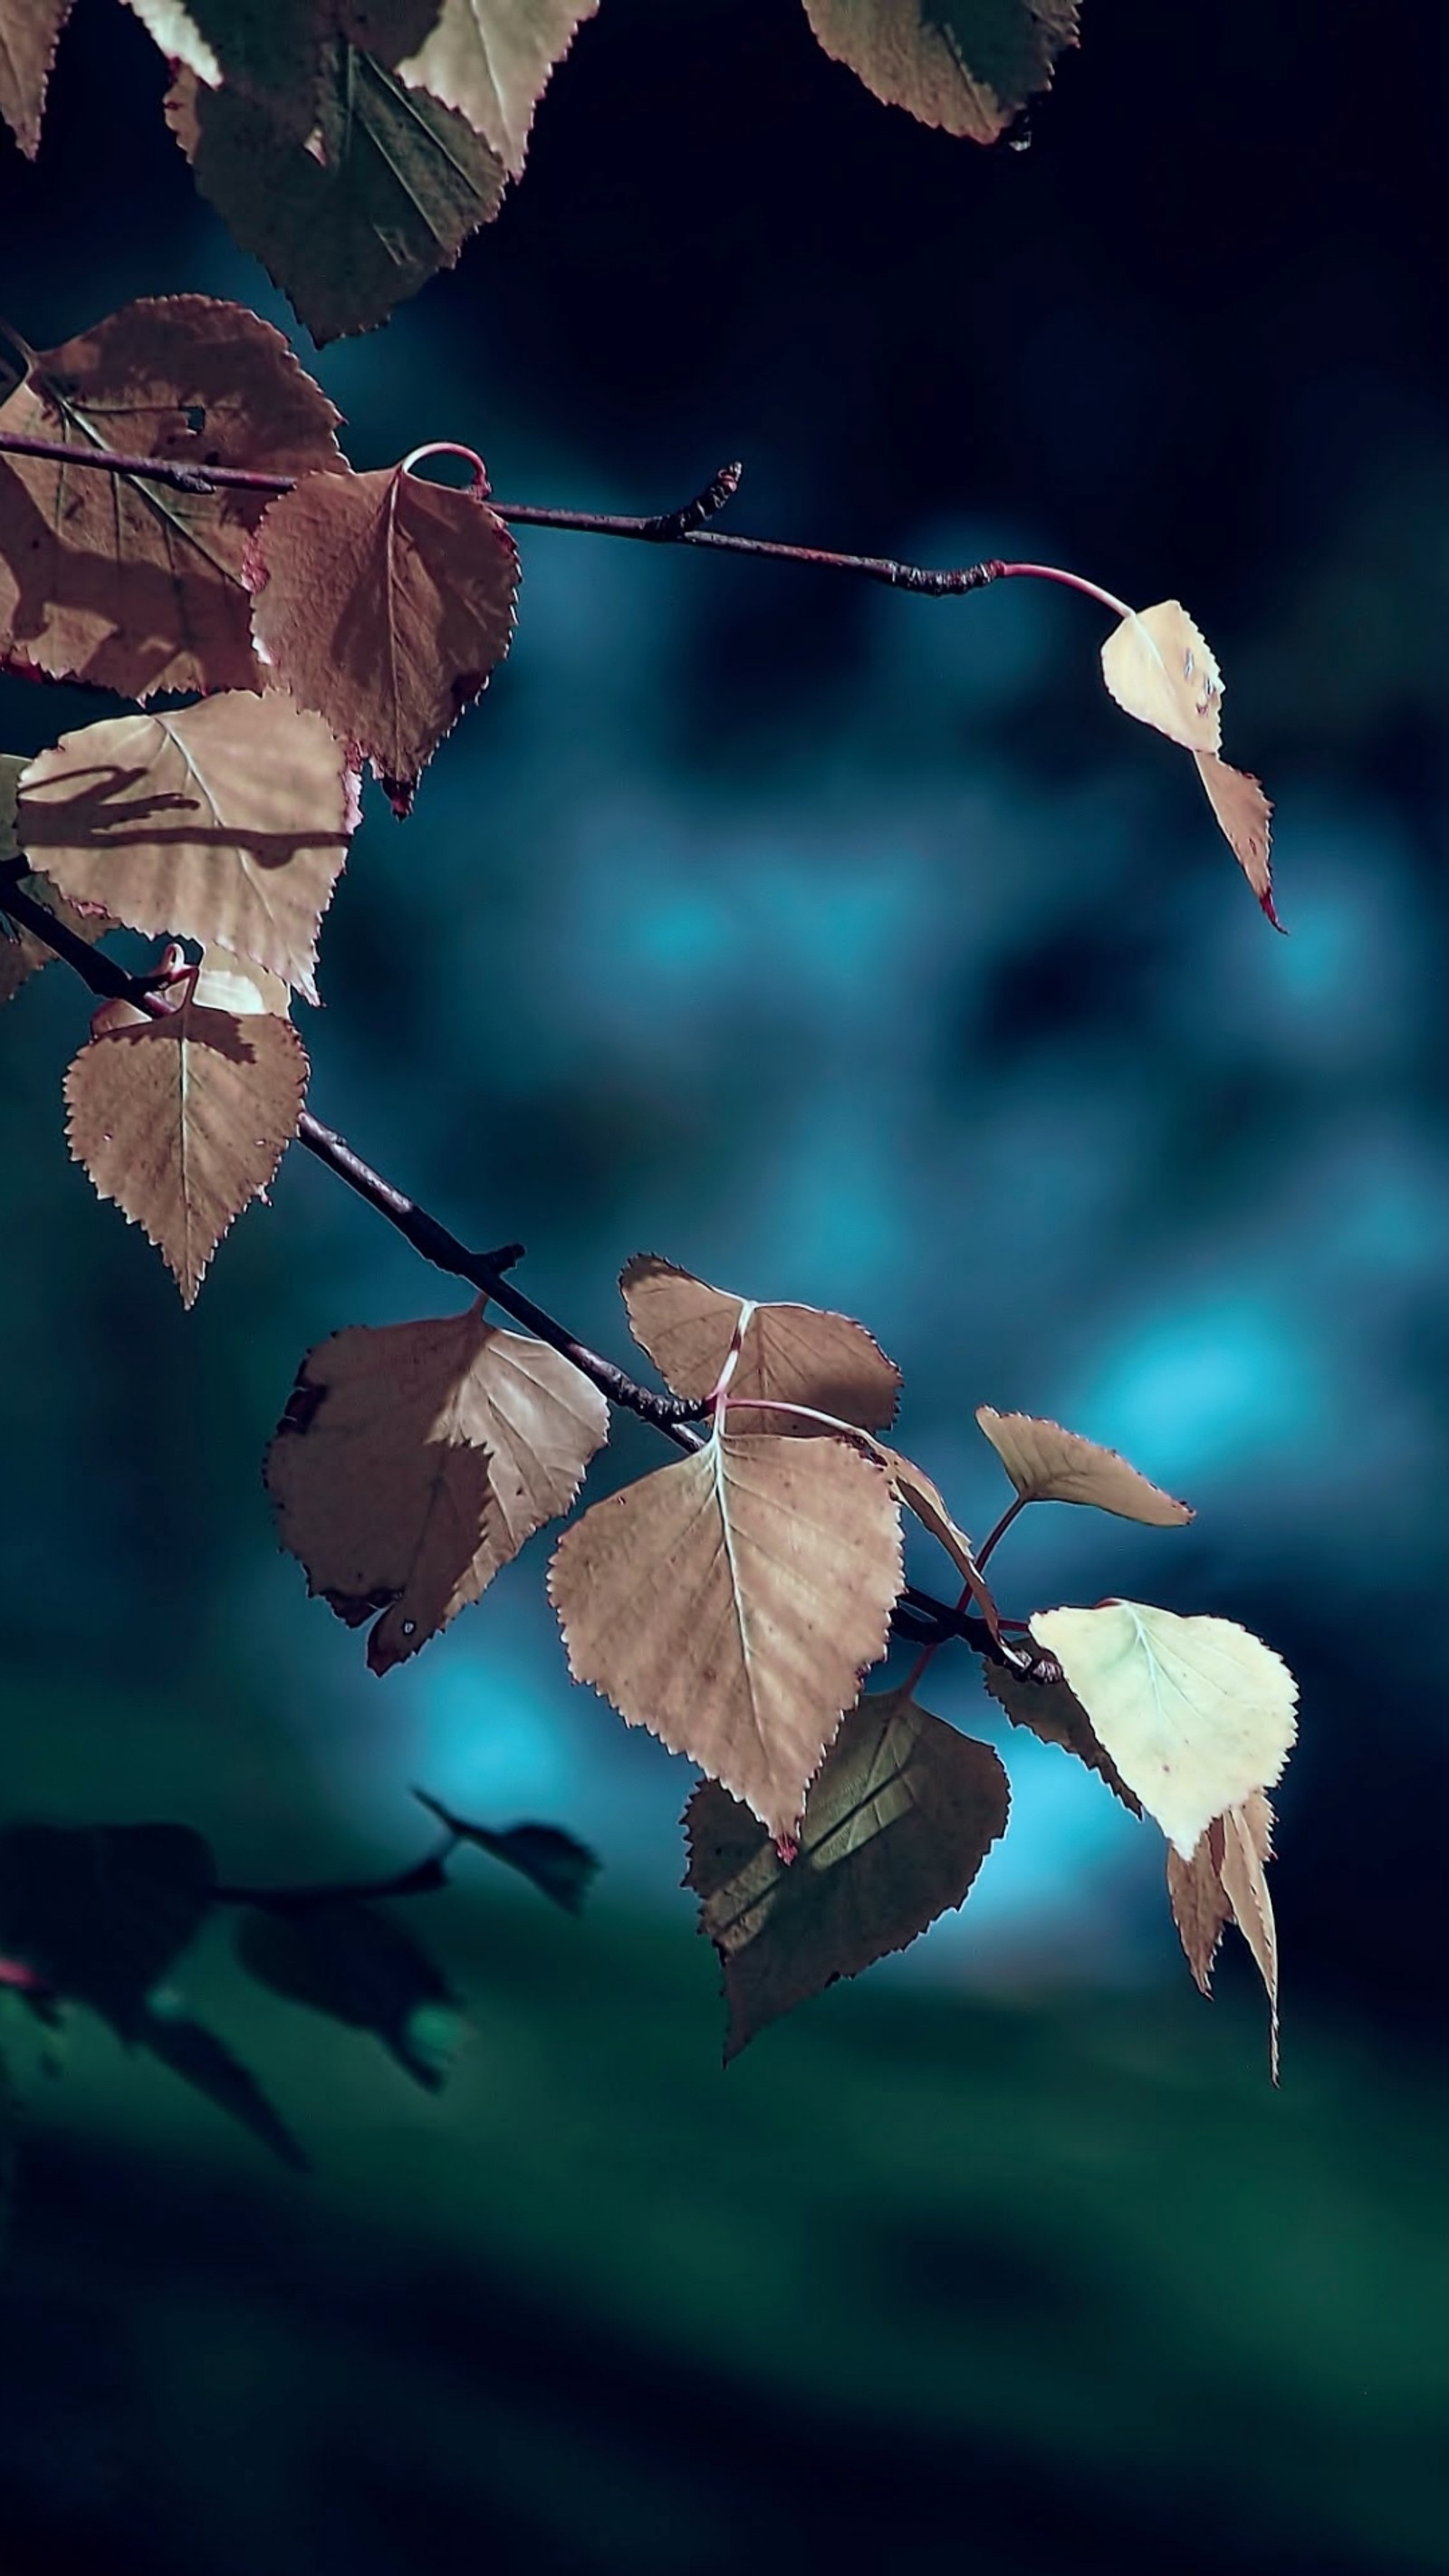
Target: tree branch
(684, 526)
(423, 1879)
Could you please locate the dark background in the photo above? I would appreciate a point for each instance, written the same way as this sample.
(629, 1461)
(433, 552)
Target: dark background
(854, 948)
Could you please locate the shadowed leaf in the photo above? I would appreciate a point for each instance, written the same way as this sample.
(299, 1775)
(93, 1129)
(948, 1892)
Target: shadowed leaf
(553, 1860)
(731, 1604)
(1196, 1713)
(1224, 1878)
(358, 1966)
(789, 1354)
(225, 822)
(383, 603)
(29, 34)
(966, 65)
(363, 210)
(128, 584)
(1052, 1712)
(183, 1120)
(1049, 1465)
(414, 1460)
(489, 59)
(101, 1912)
(205, 2062)
(21, 953)
(898, 1821)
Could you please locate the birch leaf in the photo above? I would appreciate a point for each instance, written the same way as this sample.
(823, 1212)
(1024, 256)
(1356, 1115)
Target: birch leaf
(132, 585)
(489, 59)
(923, 1497)
(1049, 1465)
(183, 1120)
(966, 65)
(359, 213)
(226, 823)
(789, 1354)
(1196, 1713)
(21, 953)
(1052, 1712)
(102, 1911)
(898, 1821)
(1160, 668)
(555, 1861)
(1225, 1877)
(358, 1966)
(1245, 818)
(414, 1460)
(383, 603)
(29, 33)
(731, 1604)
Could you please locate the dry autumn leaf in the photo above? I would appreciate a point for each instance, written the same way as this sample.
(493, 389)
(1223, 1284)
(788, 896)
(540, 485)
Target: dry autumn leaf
(968, 66)
(226, 822)
(731, 1604)
(183, 1120)
(413, 1461)
(383, 603)
(1224, 1878)
(788, 1354)
(924, 1498)
(489, 59)
(898, 1821)
(1049, 1465)
(1160, 668)
(359, 213)
(133, 585)
(29, 33)
(1052, 1713)
(1196, 1713)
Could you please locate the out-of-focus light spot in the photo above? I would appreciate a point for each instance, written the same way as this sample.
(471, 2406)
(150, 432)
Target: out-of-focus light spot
(1223, 1383)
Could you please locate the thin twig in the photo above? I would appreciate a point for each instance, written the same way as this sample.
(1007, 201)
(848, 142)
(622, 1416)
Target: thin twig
(683, 527)
(423, 1879)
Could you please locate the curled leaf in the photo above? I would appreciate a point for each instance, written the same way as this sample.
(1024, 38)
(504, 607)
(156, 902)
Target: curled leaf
(183, 1120)
(731, 1604)
(129, 584)
(923, 1496)
(966, 65)
(788, 1354)
(1196, 1713)
(225, 822)
(1225, 1877)
(1245, 819)
(413, 1461)
(383, 603)
(898, 1821)
(1049, 1465)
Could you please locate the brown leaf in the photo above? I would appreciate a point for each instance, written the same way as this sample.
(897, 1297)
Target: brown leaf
(1053, 1713)
(1226, 1876)
(1160, 668)
(29, 33)
(182, 1120)
(380, 195)
(489, 59)
(789, 1354)
(731, 1604)
(129, 584)
(966, 65)
(1049, 1465)
(414, 1460)
(383, 603)
(898, 1821)
(1245, 818)
(226, 822)
(923, 1497)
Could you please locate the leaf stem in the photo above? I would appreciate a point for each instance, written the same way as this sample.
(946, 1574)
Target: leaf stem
(424, 1879)
(1002, 1526)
